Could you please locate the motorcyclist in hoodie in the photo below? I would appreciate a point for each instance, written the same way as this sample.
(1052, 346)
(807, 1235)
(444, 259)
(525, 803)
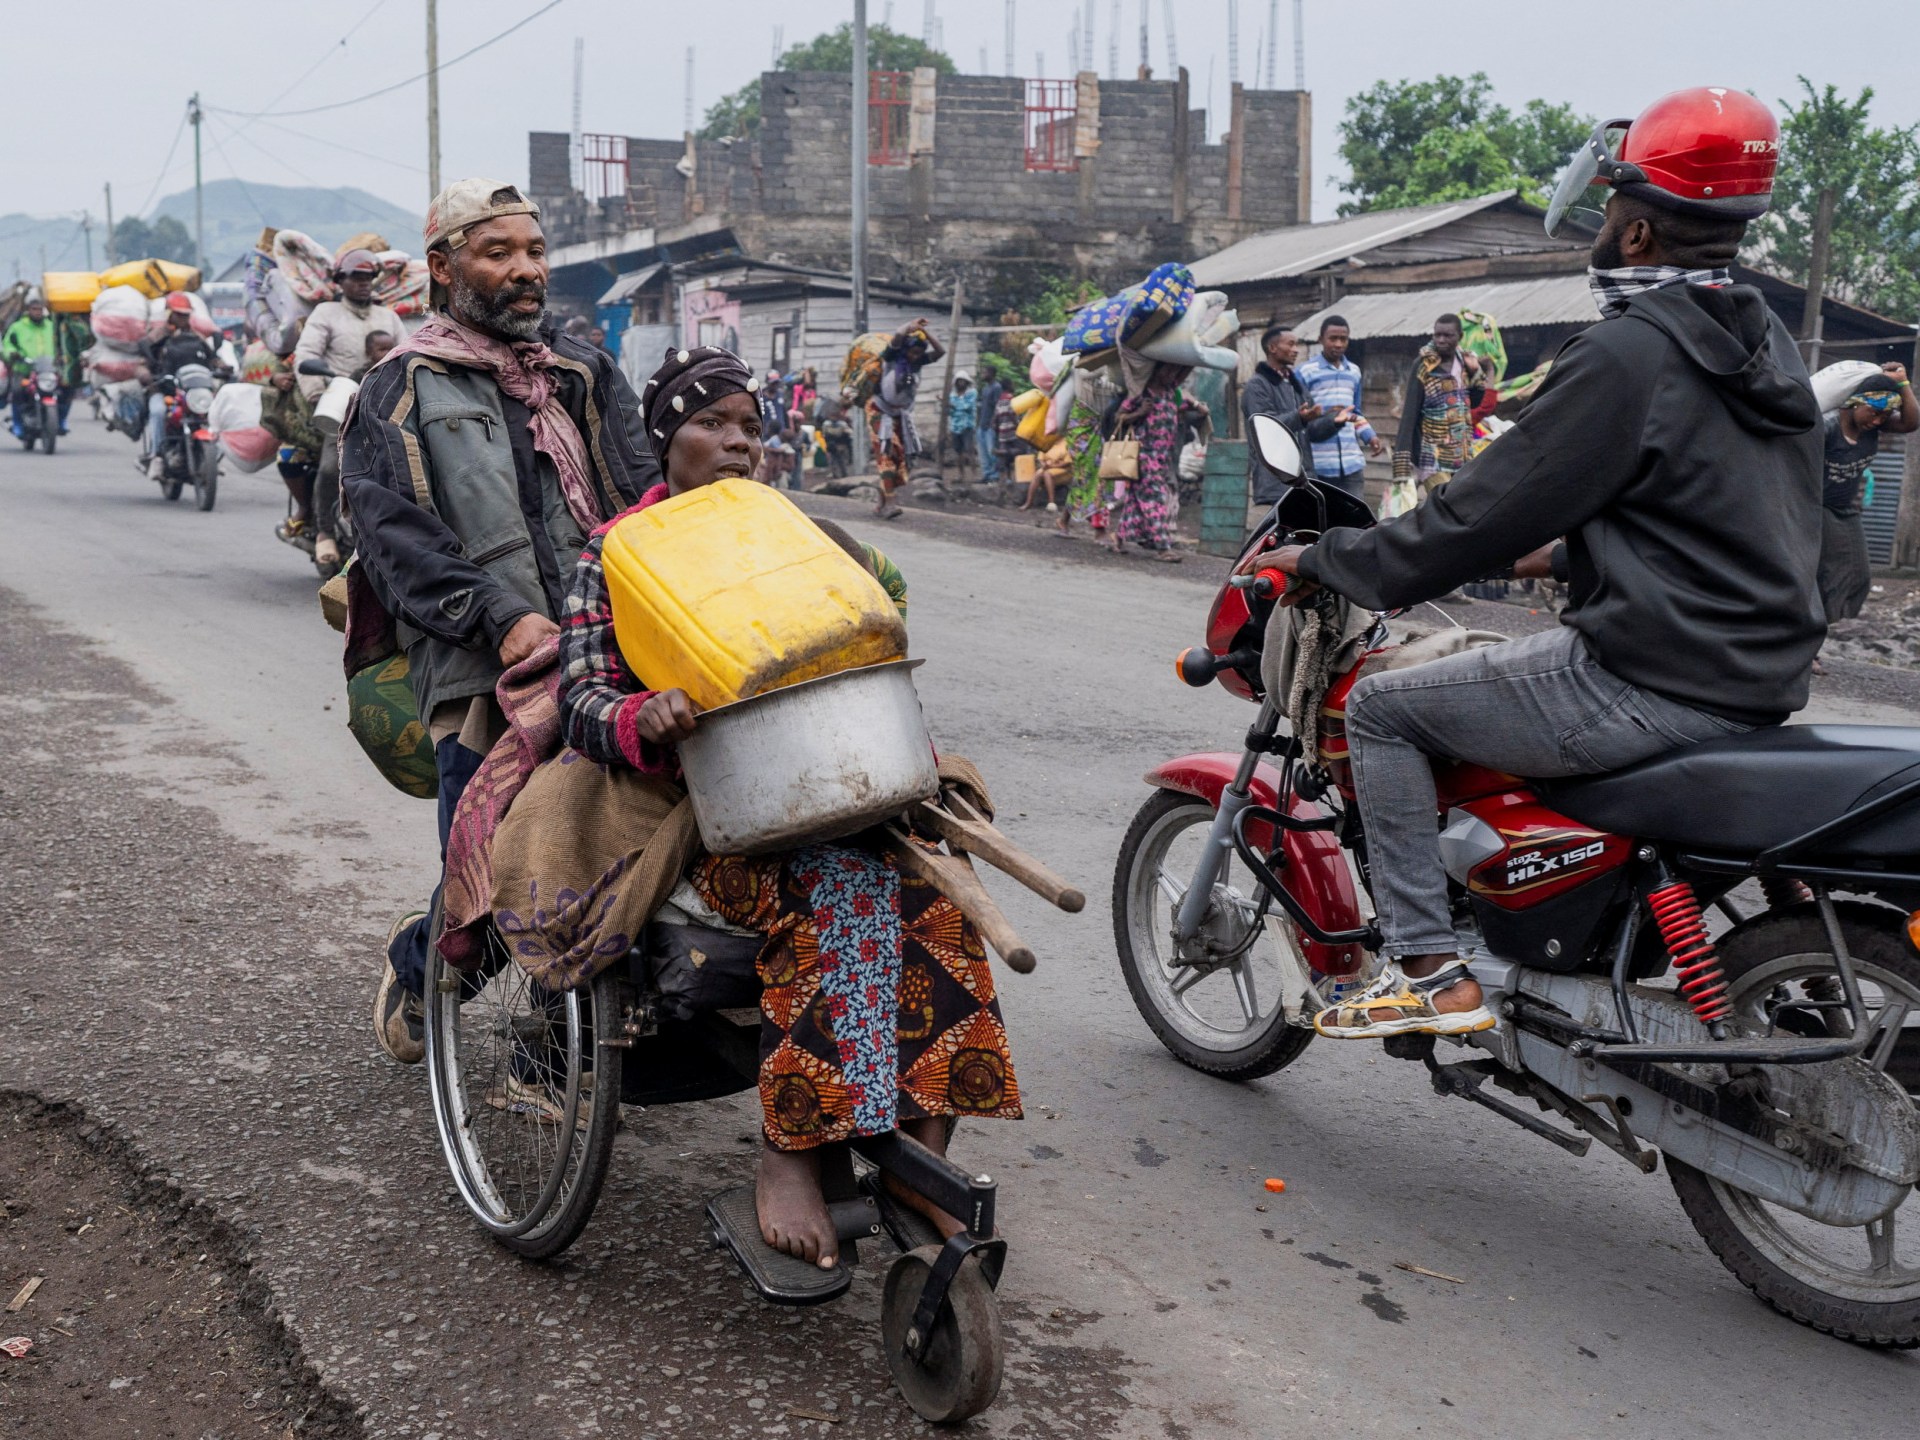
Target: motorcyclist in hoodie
(1676, 446)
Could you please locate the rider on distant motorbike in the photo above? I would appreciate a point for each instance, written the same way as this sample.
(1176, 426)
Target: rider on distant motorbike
(30, 338)
(335, 336)
(176, 346)
(1676, 446)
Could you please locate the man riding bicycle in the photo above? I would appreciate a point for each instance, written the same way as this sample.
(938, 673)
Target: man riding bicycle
(1676, 446)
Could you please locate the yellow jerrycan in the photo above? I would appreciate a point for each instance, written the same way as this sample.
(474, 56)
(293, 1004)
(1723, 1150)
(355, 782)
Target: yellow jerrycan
(730, 591)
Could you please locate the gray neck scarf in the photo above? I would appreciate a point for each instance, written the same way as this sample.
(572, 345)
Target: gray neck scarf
(1613, 288)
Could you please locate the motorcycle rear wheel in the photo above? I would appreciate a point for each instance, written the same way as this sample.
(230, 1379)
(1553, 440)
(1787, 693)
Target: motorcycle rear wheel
(1856, 1283)
(1211, 1019)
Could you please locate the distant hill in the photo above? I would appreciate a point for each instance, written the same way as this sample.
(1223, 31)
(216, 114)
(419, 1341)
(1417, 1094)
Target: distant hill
(235, 213)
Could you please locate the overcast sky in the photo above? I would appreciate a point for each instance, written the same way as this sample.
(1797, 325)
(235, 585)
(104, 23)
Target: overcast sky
(82, 112)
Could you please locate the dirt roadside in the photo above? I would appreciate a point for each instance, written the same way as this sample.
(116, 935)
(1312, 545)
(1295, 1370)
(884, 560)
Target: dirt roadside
(147, 1321)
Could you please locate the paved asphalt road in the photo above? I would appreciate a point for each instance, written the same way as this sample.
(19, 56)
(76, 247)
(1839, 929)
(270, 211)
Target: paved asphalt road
(200, 868)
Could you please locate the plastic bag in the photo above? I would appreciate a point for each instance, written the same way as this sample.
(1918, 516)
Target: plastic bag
(235, 407)
(1480, 333)
(110, 366)
(119, 316)
(250, 448)
(1193, 460)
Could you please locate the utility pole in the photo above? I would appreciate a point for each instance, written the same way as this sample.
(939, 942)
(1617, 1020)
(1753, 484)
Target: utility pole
(1272, 70)
(110, 255)
(1299, 46)
(686, 127)
(199, 212)
(578, 168)
(858, 91)
(1810, 317)
(1006, 52)
(1113, 42)
(1173, 45)
(86, 229)
(946, 384)
(433, 96)
(1233, 42)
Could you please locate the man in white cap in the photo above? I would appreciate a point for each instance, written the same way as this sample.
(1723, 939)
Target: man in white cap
(480, 455)
(333, 343)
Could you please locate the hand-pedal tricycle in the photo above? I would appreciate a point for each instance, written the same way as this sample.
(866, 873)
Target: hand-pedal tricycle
(527, 1087)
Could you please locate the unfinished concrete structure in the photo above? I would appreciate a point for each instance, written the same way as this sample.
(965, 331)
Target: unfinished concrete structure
(1003, 181)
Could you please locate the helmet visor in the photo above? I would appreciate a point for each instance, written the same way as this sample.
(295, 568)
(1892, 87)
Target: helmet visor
(1579, 201)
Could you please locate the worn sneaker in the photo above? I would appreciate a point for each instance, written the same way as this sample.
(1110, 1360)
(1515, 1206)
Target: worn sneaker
(399, 1021)
(1394, 1004)
(157, 469)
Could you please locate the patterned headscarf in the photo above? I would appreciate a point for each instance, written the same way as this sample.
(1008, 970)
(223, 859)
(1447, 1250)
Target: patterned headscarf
(685, 384)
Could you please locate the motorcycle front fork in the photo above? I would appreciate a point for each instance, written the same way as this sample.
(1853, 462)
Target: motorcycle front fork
(1213, 858)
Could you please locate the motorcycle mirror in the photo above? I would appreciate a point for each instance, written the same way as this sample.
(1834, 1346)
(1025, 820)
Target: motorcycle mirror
(1277, 449)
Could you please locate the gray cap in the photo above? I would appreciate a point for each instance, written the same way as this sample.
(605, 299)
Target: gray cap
(466, 203)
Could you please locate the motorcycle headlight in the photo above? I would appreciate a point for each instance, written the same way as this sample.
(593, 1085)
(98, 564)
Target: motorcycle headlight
(200, 401)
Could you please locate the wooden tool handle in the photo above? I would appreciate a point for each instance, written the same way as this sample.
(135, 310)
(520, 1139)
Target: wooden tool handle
(953, 877)
(970, 831)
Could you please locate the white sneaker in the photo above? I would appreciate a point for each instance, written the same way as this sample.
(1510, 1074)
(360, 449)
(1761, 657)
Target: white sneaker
(157, 469)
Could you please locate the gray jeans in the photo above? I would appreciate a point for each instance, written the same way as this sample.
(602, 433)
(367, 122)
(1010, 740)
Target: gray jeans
(1537, 706)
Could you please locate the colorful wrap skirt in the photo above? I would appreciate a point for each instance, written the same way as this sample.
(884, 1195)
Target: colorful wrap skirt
(878, 1003)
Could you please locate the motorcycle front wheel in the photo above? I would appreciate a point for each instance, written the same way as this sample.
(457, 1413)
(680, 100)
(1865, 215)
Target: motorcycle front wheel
(203, 462)
(49, 432)
(1860, 1283)
(1223, 1015)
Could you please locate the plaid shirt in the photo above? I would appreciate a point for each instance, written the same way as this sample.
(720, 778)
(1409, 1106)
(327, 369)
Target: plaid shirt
(1330, 386)
(600, 698)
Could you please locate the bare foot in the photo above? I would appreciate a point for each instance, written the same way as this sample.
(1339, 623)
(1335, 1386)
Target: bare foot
(792, 1211)
(932, 1133)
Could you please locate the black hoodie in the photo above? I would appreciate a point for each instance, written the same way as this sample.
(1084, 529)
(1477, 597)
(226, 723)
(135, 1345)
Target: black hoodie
(1677, 448)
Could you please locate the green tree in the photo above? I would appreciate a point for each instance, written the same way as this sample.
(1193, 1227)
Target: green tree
(739, 113)
(1413, 142)
(1873, 259)
(165, 239)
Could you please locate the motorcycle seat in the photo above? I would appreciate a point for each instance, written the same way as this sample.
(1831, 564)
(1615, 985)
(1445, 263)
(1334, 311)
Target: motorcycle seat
(1748, 793)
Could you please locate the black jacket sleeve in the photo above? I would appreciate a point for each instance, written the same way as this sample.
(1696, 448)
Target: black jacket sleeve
(1576, 447)
(414, 559)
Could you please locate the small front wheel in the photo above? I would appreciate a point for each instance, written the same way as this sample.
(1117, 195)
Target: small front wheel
(204, 461)
(958, 1372)
(1216, 1003)
(49, 432)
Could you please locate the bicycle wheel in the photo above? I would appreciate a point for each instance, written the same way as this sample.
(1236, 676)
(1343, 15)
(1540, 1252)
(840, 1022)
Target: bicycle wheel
(526, 1099)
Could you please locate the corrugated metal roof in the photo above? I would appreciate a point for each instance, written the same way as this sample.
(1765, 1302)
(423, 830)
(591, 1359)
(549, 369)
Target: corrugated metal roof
(630, 284)
(1550, 300)
(1299, 249)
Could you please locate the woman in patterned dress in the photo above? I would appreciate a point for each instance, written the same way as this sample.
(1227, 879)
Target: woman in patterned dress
(877, 1009)
(1144, 507)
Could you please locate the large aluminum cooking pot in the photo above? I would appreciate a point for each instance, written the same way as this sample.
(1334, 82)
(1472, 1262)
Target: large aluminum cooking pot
(810, 762)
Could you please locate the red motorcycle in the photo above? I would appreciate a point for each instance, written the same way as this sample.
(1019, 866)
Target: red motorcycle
(1773, 1060)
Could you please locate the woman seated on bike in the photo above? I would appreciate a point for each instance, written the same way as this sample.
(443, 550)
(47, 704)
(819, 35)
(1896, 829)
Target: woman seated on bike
(878, 1008)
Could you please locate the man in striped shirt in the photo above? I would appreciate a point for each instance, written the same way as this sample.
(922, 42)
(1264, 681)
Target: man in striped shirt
(1333, 383)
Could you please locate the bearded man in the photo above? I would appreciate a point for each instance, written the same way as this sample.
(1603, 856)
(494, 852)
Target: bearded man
(480, 455)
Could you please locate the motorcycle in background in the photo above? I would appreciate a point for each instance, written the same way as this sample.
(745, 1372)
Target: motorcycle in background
(1774, 1065)
(188, 449)
(40, 405)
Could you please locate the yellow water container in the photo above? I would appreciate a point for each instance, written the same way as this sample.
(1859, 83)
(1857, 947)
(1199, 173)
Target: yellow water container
(152, 278)
(729, 591)
(70, 292)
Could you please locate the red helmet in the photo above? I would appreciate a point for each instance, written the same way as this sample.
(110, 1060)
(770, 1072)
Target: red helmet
(178, 301)
(1706, 151)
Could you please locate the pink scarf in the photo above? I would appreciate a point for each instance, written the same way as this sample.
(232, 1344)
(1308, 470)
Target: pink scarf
(525, 370)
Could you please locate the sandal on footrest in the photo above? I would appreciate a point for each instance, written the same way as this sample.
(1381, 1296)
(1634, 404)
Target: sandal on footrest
(1410, 1003)
(780, 1278)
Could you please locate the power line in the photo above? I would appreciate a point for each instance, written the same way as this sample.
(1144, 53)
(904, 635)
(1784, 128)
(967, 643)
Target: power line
(165, 166)
(234, 171)
(399, 84)
(330, 144)
(239, 134)
(325, 55)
